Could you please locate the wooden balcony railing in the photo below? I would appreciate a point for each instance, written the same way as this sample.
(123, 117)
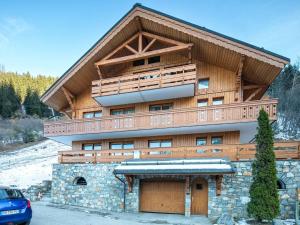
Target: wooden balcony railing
(160, 78)
(231, 113)
(283, 150)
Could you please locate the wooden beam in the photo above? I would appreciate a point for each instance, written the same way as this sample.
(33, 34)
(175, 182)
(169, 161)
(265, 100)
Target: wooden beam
(121, 46)
(163, 39)
(149, 45)
(69, 97)
(253, 94)
(238, 82)
(129, 180)
(253, 86)
(140, 42)
(99, 71)
(139, 23)
(143, 55)
(131, 49)
(219, 184)
(190, 55)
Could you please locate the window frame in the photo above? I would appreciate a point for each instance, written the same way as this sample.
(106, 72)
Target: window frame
(171, 104)
(217, 99)
(123, 111)
(203, 79)
(93, 113)
(205, 138)
(202, 100)
(154, 58)
(122, 144)
(93, 146)
(160, 141)
(137, 62)
(221, 137)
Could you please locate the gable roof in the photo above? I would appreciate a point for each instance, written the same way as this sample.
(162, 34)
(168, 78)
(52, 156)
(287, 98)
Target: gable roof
(141, 11)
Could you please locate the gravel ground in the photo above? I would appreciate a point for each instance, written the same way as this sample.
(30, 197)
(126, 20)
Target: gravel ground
(44, 214)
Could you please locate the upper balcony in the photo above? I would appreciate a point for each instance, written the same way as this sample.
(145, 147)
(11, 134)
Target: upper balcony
(159, 84)
(228, 117)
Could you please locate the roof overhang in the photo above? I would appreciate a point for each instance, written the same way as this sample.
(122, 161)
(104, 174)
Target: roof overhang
(175, 167)
(219, 47)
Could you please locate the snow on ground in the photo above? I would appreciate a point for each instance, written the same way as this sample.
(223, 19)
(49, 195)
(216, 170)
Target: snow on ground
(31, 165)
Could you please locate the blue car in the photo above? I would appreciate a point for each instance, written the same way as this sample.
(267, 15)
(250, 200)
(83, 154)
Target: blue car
(15, 209)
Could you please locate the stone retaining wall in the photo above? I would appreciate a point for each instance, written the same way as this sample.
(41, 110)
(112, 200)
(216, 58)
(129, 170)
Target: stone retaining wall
(235, 190)
(105, 192)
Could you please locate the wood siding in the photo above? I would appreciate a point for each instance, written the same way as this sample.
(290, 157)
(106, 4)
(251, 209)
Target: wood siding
(221, 84)
(177, 140)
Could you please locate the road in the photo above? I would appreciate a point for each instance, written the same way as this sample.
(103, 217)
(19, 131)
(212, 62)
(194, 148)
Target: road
(49, 215)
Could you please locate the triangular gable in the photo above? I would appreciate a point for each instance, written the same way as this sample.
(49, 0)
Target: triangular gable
(139, 11)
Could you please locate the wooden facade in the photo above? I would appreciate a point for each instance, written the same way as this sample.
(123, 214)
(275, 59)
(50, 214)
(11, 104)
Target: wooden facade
(135, 58)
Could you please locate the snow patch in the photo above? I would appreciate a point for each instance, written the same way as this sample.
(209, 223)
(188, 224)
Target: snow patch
(31, 165)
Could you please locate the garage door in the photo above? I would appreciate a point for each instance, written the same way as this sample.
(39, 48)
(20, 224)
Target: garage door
(162, 196)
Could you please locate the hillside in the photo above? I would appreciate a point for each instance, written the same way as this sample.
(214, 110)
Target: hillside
(25, 81)
(27, 166)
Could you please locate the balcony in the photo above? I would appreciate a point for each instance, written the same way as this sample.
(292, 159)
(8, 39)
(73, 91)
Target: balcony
(231, 117)
(168, 83)
(239, 152)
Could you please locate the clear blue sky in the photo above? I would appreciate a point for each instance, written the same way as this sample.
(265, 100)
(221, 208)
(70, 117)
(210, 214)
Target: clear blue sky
(47, 37)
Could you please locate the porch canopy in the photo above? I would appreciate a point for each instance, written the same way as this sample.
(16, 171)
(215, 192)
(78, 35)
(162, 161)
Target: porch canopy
(175, 167)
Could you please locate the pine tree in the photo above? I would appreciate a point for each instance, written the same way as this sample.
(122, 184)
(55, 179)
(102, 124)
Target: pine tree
(32, 103)
(9, 101)
(264, 203)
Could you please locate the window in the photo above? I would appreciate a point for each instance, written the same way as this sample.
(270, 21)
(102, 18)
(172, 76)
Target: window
(203, 84)
(216, 140)
(91, 146)
(159, 107)
(95, 114)
(139, 62)
(160, 143)
(218, 101)
(280, 184)
(202, 102)
(201, 141)
(121, 145)
(122, 111)
(199, 186)
(154, 59)
(7, 193)
(80, 181)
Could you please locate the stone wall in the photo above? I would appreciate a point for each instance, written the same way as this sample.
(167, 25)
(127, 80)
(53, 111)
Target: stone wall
(235, 190)
(105, 192)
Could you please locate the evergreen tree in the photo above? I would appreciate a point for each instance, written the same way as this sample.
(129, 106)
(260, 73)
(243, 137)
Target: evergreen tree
(264, 203)
(286, 88)
(32, 103)
(9, 101)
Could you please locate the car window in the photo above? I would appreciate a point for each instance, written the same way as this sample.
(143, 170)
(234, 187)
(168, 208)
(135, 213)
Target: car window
(10, 194)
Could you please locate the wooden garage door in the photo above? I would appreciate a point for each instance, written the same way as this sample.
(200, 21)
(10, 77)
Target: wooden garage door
(162, 196)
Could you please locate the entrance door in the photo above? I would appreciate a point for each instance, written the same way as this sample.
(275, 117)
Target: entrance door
(162, 196)
(199, 197)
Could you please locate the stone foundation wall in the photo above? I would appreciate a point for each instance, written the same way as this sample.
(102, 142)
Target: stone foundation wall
(235, 190)
(105, 192)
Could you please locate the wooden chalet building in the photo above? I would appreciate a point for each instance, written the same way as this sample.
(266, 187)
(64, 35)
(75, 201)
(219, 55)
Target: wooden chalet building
(162, 117)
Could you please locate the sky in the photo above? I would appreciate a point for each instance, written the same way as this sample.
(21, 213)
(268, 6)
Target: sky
(47, 37)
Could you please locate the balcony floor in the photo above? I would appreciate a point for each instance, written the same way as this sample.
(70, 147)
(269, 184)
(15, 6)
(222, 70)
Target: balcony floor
(247, 132)
(185, 90)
